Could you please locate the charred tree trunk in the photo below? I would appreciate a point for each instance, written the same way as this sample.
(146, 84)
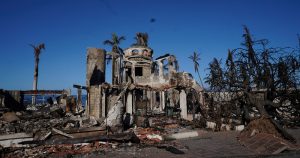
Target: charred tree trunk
(113, 65)
(115, 52)
(260, 105)
(35, 78)
(200, 79)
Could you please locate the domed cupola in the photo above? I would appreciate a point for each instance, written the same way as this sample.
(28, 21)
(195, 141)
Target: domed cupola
(140, 49)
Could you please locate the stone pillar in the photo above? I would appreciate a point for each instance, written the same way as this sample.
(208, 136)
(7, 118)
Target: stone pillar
(103, 104)
(153, 100)
(117, 74)
(87, 105)
(124, 74)
(95, 73)
(161, 68)
(149, 99)
(95, 76)
(133, 72)
(79, 100)
(95, 101)
(183, 104)
(119, 69)
(133, 102)
(162, 100)
(129, 103)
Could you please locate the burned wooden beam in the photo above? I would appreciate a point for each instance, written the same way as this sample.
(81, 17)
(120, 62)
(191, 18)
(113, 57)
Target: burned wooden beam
(46, 136)
(121, 137)
(61, 133)
(83, 130)
(14, 139)
(79, 86)
(42, 92)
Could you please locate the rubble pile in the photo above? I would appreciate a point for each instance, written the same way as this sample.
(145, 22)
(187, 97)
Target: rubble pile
(38, 123)
(149, 136)
(261, 125)
(49, 132)
(40, 119)
(61, 150)
(265, 136)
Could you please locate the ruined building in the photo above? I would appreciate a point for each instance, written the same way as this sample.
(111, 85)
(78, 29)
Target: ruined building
(142, 86)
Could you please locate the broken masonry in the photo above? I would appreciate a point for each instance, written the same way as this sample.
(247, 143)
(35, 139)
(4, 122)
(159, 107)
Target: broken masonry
(143, 86)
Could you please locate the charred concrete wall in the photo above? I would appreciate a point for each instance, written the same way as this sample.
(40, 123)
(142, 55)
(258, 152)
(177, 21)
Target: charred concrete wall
(95, 102)
(94, 78)
(95, 73)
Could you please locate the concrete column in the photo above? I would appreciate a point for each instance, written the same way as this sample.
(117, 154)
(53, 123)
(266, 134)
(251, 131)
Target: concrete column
(124, 74)
(153, 100)
(161, 69)
(129, 103)
(95, 73)
(95, 101)
(162, 100)
(103, 104)
(87, 105)
(149, 97)
(120, 71)
(133, 102)
(99, 102)
(79, 100)
(171, 97)
(201, 98)
(133, 72)
(183, 104)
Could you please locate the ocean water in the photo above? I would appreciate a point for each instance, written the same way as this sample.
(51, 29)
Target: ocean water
(41, 99)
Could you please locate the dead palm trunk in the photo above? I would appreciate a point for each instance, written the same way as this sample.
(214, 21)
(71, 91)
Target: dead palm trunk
(35, 79)
(196, 58)
(114, 42)
(200, 79)
(113, 71)
(115, 54)
(37, 52)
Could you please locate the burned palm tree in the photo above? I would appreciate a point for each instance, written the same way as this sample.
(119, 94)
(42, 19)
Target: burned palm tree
(196, 58)
(264, 79)
(141, 39)
(37, 51)
(253, 63)
(231, 73)
(215, 77)
(116, 51)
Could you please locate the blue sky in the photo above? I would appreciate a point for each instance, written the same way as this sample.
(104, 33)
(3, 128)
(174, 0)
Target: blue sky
(69, 27)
